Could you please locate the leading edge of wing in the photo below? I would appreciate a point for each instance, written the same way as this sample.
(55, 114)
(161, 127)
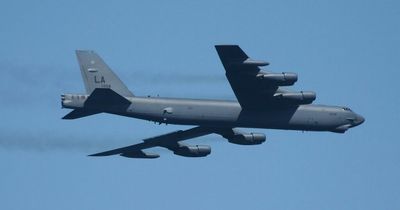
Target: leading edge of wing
(169, 141)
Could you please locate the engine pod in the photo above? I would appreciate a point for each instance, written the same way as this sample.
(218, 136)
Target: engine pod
(246, 138)
(302, 97)
(279, 79)
(192, 151)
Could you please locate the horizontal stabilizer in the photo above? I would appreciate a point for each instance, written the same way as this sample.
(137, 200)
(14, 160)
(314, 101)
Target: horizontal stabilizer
(103, 99)
(78, 113)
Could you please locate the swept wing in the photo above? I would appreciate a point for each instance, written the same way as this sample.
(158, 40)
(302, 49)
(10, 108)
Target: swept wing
(257, 89)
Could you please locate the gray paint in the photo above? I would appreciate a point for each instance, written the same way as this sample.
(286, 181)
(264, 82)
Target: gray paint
(261, 104)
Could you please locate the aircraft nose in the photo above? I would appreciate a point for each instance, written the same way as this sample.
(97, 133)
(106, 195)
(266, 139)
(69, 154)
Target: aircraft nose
(359, 120)
(356, 120)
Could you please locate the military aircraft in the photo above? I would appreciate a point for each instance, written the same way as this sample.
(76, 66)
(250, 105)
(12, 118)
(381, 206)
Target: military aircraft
(261, 103)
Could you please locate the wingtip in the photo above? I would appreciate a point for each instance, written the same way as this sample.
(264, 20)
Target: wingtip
(65, 118)
(93, 155)
(79, 51)
(226, 45)
(99, 154)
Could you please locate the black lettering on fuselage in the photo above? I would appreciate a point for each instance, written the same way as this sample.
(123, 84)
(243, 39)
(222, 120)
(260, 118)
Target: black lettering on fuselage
(101, 80)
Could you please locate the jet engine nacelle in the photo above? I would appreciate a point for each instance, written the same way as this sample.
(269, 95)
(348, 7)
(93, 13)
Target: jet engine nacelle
(303, 97)
(193, 151)
(279, 79)
(246, 138)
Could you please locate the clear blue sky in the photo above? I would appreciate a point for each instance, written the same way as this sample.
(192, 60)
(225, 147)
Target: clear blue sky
(346, 51)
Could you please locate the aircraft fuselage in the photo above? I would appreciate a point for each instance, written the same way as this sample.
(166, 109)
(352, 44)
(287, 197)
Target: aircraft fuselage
(219, 113)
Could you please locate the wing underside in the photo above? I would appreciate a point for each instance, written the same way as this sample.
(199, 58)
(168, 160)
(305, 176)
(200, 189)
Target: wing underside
(170, 141)
(257, 89)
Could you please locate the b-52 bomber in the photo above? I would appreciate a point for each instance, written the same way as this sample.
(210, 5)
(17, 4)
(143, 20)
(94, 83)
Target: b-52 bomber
(261, 103)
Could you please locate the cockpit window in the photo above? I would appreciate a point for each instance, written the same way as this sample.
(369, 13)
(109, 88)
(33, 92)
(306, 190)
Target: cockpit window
(347, 109)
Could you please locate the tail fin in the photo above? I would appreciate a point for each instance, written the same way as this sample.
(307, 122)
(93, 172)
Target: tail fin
(96, 74)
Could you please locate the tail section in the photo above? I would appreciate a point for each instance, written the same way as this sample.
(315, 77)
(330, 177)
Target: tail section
(78, 113)
(96, 74)
(101, 100)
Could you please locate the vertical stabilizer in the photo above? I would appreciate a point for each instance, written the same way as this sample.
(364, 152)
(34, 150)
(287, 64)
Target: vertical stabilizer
(96, 74)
